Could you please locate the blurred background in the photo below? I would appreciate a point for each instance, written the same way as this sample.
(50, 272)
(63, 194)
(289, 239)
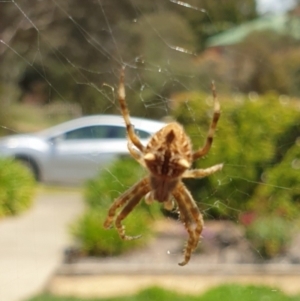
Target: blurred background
(61, 60)
(70, 54)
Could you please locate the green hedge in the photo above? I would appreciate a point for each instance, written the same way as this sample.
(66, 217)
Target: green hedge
(16, 187)
(281, 194)
(224, 292)
(97, 241)
(256, 139)
(99, 195)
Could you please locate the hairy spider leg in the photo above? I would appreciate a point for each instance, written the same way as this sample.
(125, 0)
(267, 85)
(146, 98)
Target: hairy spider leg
(136, 154)
(210, 136)
(125, 113)
(191, 218)
(129, 199)
(201, 173)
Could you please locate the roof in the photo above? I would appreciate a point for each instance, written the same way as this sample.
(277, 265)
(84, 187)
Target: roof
(280, 23)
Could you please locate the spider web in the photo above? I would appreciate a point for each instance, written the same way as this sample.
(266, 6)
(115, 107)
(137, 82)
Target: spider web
(44, 47)
(157, 68)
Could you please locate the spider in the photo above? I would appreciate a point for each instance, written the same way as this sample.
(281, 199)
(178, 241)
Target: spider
(168, 157)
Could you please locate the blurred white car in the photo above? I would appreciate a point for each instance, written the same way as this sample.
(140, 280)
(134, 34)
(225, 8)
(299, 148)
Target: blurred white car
(76, 150)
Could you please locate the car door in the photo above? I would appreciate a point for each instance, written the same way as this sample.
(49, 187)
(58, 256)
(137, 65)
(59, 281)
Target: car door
(80, 154)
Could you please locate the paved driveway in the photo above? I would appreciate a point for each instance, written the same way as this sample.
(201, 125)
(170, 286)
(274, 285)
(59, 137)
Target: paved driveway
(31, 245)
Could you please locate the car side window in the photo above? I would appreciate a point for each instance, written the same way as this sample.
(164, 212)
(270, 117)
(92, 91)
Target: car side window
(89, 132)
(142, 134)
(101, 132)
(115, 132)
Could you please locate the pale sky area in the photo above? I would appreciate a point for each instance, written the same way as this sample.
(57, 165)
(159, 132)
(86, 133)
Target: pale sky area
(264, 6)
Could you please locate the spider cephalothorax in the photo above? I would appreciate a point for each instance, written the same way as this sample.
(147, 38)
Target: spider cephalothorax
(168, 157)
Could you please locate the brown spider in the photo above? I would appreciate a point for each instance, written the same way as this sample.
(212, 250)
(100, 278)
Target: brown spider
(168, 158)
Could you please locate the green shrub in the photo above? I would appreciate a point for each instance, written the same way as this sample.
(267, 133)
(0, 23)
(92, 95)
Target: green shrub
(253, 134)
(281, 195)
(16, 187)
(269, 235)
(95, 240)
(99, 195)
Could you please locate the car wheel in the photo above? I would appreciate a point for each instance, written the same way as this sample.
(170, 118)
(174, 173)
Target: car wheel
(30, 165)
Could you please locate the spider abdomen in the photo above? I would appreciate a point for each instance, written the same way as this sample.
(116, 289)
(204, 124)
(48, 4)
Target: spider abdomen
(162, 188)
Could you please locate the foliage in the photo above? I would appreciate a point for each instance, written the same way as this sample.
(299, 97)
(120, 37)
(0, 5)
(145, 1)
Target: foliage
(213, 17)
(268, 70)
(97, 241)
(281, 194)
(132, 32)
(26, 118)
(5, 110)
(22, 118)
(269, 235)
(254, 134)
(264, 61)
(155, 86)
(99, 194)
(16, 187)
(229, 292)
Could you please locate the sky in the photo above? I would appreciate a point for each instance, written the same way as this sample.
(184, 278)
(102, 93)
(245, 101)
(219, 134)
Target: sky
(264, 6)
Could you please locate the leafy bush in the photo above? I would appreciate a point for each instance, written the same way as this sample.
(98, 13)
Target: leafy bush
(253, 134)
(99, 195)
(281, 195)
(269, 235)
(95, 240)
(16, 187)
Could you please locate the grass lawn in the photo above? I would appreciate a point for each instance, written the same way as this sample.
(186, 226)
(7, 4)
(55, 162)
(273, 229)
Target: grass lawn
(233, 292)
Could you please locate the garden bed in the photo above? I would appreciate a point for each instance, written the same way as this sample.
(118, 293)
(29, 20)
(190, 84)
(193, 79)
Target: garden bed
(224, 256)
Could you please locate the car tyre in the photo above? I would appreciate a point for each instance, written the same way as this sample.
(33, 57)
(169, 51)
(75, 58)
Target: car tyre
(31, 165)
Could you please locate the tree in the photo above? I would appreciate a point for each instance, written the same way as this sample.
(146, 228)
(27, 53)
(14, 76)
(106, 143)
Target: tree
(207, 17)
(80, 46)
